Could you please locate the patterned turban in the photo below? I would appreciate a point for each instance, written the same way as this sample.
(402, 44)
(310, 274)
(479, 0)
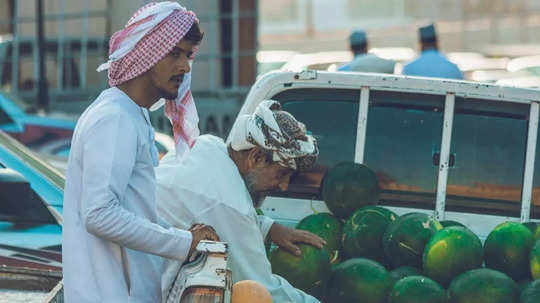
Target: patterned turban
(148, 37)
(278, 132)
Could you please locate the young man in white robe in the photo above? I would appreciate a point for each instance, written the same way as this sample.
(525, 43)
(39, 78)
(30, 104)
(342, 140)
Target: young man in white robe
(112, 242)
(221, 185)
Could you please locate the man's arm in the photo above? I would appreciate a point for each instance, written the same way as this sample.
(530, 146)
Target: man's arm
(109, 157)
(287, 238)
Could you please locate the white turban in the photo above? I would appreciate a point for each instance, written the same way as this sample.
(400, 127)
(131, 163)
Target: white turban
(276, 131)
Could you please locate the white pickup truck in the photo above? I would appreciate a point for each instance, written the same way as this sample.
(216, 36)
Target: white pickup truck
(458, 150)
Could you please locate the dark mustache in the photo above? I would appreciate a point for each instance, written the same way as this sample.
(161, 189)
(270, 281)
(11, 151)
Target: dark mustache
(178, 78)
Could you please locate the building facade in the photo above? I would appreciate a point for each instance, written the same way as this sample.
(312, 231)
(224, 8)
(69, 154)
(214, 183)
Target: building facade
(464, 25)
(77, 32)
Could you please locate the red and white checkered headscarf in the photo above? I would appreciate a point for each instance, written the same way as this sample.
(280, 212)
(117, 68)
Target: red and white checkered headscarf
(184, 118)
(148, 37)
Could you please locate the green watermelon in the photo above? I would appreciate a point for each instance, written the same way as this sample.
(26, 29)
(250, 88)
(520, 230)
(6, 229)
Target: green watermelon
(417, 289)
(349, 186)
(536, 233)
(531, 293)
(404, 271)
(359, 280)
(534, 227)
(483, 285)
(448, 223)
(308, 272)
(363, 232)
(507, 249)
(327, 227)
(450, 252)
(534, 260)
(523, 284)
(405, 239)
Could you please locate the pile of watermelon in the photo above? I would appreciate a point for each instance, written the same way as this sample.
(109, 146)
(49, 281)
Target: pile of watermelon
(373, 255)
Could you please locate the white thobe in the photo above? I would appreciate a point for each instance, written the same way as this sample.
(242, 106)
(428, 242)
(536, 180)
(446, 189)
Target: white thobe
(206, 187)
(111, 239)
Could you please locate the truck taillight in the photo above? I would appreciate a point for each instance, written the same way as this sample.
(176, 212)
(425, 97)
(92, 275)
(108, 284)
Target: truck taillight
(203, 295)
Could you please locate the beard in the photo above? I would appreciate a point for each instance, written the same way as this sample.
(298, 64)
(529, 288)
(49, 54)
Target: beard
(257, 196)
(168, 95)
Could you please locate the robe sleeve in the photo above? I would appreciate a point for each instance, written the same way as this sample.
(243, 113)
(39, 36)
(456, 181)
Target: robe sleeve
(247, 255)
(264, 223)
(109, 157)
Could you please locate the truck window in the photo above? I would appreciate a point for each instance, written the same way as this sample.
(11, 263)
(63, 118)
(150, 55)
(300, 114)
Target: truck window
(20, 203)
(332, 117)
(403, 136)
(403, 140)
(488, 151)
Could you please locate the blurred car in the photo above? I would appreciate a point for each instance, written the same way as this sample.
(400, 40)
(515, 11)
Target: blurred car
(530, 64)
(317, 61)
(519, 72)
(492, 76)
(469, 62)
(525, 71)
(59, 148)
(272, 60)
(31, 130)
(44, 179)
(510, 50)
(527, 82)
(30, 219)
(56, 152)
(332, 60)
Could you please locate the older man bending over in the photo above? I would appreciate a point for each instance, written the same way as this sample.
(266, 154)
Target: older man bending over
(221, 185)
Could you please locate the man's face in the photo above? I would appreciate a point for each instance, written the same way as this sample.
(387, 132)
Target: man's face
(266, 177)
(168, 73)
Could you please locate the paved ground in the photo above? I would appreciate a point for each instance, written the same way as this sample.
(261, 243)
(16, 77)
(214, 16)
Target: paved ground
(13, 296)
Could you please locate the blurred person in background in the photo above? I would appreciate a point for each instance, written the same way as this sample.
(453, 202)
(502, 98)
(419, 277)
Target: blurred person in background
(113, 239)
(364, 61)
(431, 62)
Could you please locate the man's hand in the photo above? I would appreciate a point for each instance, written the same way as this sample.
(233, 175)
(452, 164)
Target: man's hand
(201, 232)
(285, 238)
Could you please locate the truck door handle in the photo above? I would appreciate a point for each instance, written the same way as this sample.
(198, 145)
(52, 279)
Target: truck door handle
(437, 159)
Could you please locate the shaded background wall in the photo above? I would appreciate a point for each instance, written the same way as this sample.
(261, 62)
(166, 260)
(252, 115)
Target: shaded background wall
(465, 25)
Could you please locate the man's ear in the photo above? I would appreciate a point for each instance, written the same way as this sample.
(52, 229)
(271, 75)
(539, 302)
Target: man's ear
(256, 156)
